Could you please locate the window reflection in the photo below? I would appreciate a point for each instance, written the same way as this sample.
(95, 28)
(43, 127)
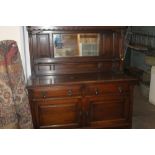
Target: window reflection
(71, 45)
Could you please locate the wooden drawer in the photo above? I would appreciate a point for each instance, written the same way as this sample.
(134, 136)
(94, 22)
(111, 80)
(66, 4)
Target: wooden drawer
(104, 88)
(56, 91)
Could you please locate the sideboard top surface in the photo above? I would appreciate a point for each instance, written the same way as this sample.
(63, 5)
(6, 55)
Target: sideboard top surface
(79, 79)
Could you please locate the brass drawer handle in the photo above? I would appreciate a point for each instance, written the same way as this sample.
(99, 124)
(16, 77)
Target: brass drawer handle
(69, 92)
(80, 115)
(120, 89)
(43, 93)
(97, 91)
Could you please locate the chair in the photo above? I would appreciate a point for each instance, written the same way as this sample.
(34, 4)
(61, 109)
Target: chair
(14, 105)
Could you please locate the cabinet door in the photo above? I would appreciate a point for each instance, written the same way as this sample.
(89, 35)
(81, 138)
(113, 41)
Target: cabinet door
(108, 112)
(58, 113)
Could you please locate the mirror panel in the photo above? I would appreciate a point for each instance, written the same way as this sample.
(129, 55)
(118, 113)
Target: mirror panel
(73, 45)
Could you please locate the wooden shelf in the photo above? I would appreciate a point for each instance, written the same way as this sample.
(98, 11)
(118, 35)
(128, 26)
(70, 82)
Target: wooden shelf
(138, 47)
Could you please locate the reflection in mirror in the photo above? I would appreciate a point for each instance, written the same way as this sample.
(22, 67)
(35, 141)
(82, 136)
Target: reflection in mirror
(65, 45)
(88, 44)
(72, 45)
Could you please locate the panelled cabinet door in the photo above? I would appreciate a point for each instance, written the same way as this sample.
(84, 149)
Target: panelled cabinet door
(108, 113)
(111, 45)
(40, 45)
(58, 113)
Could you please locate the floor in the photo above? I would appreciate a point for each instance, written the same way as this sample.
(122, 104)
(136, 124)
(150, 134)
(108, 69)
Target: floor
(143, 112)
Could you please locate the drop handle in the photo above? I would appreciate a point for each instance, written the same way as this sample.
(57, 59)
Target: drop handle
(87, 114)
(120, 89)
(87, 118)
(43, 94)
(80, 115)
(97, 91)
(69, 93)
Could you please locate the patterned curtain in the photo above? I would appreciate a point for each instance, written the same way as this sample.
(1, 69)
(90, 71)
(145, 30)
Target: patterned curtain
(14, 105)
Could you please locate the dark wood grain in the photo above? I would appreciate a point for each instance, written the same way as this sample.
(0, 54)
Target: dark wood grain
(106, 110)
(42, 51)
(105, 77)
(58, 113)
(103, 103)
(73, 29)
(82, 91)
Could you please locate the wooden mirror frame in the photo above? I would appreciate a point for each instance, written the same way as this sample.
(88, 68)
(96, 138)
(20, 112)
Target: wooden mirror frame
(43, 62)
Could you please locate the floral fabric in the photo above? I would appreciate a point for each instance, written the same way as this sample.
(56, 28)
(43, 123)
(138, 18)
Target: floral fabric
(14, 105)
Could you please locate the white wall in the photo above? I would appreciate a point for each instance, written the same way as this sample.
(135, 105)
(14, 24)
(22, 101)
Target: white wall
(152, 86)
(27, 55)
(15, 33)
